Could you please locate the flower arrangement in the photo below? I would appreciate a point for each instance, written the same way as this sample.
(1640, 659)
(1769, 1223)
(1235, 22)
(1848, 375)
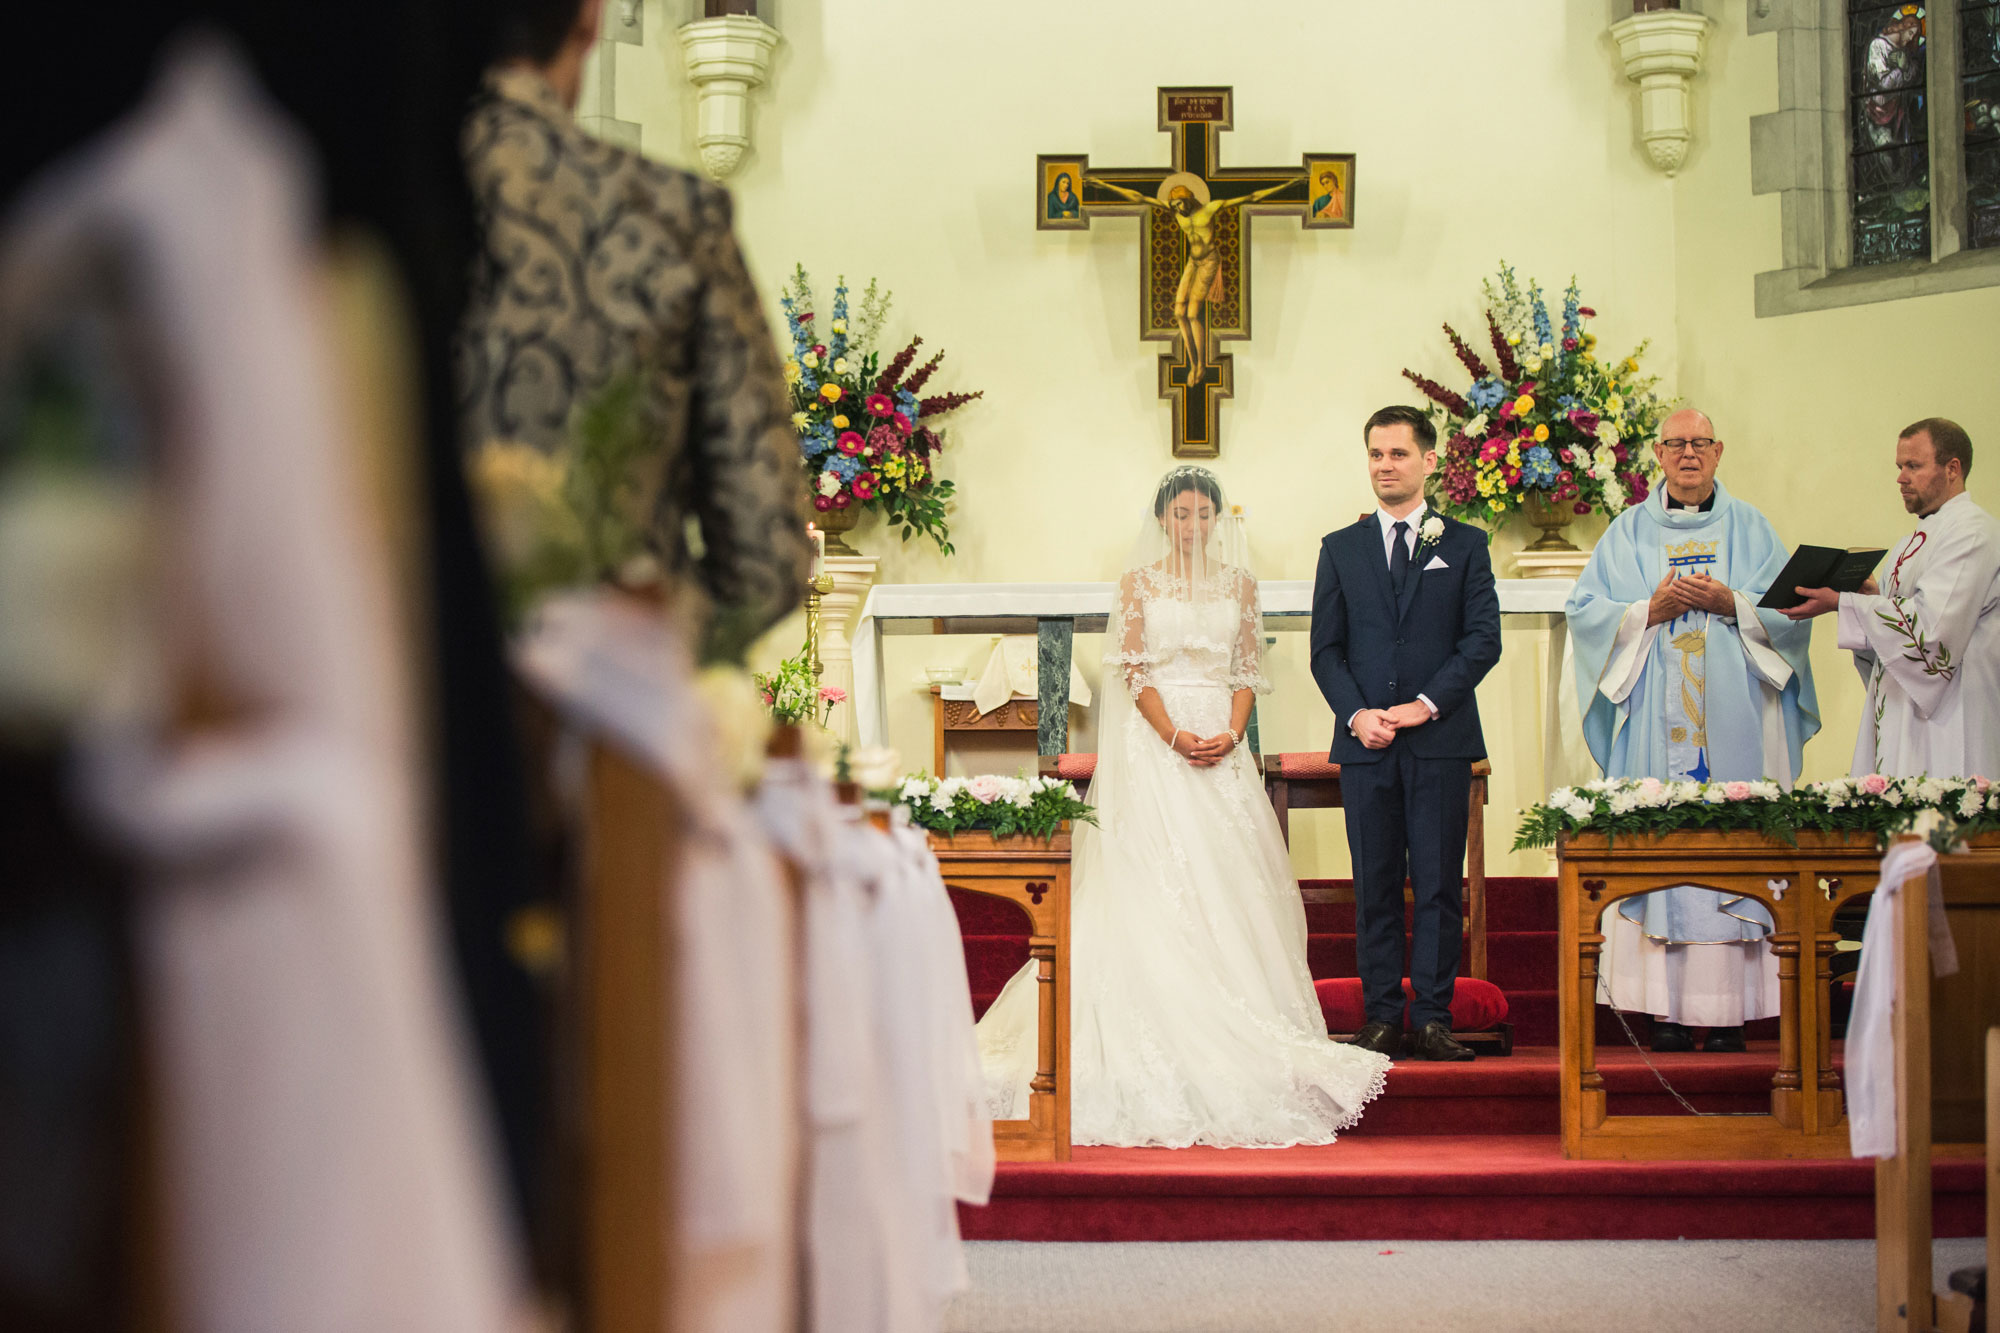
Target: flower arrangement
(1940, 809)
(1036, 807)
(794, 694)
(866, 438)
(1548, 421)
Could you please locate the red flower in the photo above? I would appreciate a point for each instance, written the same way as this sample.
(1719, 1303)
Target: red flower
(894, 370)
(821, 503)
(1440, 395)
(1585, 421)
(864, 486)
(1582, 507)
(842, 498)
(929, 367)
(879, 405)
(1569, 344)
(849, 442)
(1466, 356)
(946, 402)
(882, 440)
(903, 422)
(819, 349)
(1567, 457)
(1586, 312)
(806, 317)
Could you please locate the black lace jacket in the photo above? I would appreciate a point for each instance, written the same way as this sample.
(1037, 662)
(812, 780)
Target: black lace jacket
(596, 260)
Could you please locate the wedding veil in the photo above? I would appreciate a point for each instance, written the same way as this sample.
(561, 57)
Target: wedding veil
(1191, 547)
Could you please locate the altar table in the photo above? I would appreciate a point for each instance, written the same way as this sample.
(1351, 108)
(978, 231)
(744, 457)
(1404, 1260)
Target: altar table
(1057, 611)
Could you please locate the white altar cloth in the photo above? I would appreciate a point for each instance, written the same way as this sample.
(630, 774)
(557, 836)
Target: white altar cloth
(1285, 600)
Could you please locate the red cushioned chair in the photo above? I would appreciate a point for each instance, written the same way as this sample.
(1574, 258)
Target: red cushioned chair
(1077, 768)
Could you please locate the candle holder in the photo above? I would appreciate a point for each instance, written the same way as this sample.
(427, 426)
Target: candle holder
(816, 588)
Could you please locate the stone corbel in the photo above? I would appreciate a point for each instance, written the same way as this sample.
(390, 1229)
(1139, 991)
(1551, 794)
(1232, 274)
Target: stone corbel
(1662, 51)
(726, 57)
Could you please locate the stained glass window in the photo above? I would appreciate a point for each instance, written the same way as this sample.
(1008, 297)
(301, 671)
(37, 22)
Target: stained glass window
(1889, 152)
(1979, 62)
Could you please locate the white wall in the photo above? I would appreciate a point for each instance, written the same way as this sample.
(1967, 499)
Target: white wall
(898, 141)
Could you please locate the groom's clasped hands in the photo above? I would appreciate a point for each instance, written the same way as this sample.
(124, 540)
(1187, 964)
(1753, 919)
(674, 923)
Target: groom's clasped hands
(1376, 727)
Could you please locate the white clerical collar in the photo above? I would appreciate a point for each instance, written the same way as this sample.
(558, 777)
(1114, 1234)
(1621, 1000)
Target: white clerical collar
(1414, 518)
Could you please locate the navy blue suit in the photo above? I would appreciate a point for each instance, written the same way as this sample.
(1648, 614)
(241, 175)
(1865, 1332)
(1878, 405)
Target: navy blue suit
(1406, 804)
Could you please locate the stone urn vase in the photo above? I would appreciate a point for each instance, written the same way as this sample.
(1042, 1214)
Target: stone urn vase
(1551, 555)
(836, 524)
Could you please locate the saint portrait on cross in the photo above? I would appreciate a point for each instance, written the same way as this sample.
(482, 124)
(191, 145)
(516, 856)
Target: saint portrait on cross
(1185, 197)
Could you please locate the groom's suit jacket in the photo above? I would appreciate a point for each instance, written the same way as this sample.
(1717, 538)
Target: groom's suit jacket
(1371, 649)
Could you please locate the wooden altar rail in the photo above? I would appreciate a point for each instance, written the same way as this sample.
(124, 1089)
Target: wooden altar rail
(1035, 877)
(1925, 1027)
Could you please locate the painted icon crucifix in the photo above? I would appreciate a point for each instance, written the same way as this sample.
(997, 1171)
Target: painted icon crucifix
(1194, 285)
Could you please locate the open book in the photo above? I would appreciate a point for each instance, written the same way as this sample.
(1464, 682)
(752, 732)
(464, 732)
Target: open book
(1821, 567)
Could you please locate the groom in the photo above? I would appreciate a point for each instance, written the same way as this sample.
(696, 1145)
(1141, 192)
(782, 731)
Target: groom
(1405, 623)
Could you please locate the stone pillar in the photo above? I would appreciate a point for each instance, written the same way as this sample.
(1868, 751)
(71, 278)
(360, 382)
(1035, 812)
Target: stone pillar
(853, 576)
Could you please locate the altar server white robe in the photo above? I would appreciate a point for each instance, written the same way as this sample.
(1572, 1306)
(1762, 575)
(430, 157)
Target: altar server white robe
(1928, 649)
(1702, 698)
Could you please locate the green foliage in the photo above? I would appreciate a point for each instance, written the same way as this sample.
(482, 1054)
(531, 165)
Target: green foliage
(1005, 807)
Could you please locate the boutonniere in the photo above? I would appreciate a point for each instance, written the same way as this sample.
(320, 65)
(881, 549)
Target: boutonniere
(1429, 533)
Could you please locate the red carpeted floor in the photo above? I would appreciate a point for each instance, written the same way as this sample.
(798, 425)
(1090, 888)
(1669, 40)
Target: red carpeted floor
(1450, 1152)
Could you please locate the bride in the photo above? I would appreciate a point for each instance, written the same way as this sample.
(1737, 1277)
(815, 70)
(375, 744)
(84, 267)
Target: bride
(1192, 1013)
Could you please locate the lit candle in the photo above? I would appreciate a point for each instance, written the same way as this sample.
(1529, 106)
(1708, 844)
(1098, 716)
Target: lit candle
(819, 548)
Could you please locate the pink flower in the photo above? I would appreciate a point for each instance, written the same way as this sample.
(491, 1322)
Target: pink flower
(879, 405)
(1495, 449)
(1569, 344)
(864, 486)
(1584, 421)
(832, 694)
(849, 442)
(1874, 784)
(766, 696)
(842, 498)
(822, 503)
(984, 788)
(1506, 409)
(1582, 508)
(819, 349)
(1736, 791)
(1567, 457)
(903, 423)
(1981, 784)
(1650, 786)
(1563, 476)
(882, 440)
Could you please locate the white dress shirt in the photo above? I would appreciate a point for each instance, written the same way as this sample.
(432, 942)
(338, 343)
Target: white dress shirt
(1415, 519)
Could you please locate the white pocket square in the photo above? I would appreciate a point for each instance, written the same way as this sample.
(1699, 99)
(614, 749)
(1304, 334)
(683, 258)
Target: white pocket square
(1437, 562)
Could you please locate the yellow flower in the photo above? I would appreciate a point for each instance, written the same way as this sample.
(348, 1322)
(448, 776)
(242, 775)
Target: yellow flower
(1513, 340)
(791, 371)
(798, 421)
(1514, 454)
(1541, 434)
(840, 423)
(1615, 406)
(1496, 504)
(1524, 404)
(1589, 340)
(830, 392)
(1628, 365)
(840, 326)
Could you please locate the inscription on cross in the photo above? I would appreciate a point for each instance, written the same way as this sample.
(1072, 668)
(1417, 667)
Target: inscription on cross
(1194, 266)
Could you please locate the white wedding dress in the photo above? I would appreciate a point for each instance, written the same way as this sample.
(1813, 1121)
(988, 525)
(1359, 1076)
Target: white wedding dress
(1193, 1017)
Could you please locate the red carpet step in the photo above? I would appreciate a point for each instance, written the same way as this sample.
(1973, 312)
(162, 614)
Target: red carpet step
(1459, 1187)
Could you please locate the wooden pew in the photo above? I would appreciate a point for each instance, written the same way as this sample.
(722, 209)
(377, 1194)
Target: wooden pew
(1905, 1297)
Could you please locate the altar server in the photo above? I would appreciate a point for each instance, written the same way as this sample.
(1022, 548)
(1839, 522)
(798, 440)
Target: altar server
(1682, 678)
(1928, 644)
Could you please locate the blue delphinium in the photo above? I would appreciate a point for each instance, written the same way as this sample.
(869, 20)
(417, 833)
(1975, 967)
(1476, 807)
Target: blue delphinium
(836, 345)
(1544, 331)
(907, 401)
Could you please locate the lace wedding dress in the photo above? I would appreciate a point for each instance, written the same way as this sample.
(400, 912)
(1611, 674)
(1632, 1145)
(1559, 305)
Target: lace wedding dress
(1193, 1017)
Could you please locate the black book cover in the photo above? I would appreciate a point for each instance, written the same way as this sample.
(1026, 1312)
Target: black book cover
(1821, 567)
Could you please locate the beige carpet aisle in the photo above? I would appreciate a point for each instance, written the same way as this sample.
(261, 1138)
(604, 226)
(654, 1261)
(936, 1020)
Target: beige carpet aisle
(1712, 1286)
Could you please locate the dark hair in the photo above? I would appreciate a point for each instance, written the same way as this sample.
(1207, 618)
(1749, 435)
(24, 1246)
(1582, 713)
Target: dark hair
(1418, 421)
(533, 30)
(1948, 441)
(1187, 479)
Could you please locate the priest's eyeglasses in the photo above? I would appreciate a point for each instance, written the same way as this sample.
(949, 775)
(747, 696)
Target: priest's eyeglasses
(1699, 445)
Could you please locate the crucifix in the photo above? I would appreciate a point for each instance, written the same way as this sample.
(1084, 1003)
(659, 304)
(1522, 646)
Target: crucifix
(1194, 265)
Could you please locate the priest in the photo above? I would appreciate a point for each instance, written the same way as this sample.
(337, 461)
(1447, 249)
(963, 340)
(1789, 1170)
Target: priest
(1681, 678)
(1928, 643)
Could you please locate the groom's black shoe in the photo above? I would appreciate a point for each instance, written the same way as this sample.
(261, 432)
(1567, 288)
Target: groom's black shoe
(1381, 1038)
(1435, 1042)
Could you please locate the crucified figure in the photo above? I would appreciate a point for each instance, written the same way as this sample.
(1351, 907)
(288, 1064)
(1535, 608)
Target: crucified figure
(1201, 279)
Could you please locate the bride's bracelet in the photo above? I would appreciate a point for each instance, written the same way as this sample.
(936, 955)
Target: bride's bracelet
(1176, 736)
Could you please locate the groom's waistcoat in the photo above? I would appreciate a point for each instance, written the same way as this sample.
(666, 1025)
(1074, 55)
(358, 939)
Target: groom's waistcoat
(1374, 649)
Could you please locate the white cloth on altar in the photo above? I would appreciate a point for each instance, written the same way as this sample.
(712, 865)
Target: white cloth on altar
(1013, 671)
(324, 1159)
(617, 667)
(1928, 650)
(1871, 1033)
